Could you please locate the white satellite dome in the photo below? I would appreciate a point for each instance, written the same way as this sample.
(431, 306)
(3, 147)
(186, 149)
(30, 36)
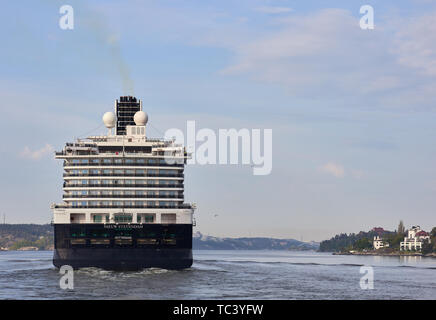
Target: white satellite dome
(109, 119)
(140, 118)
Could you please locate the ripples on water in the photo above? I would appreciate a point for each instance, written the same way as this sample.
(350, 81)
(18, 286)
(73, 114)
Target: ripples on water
(226, 275)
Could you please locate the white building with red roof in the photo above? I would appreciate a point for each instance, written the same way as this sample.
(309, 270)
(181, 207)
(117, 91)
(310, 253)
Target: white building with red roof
(415, 239)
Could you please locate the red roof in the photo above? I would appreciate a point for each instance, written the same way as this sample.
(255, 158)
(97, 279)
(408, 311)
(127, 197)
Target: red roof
(421, 234)
(378, 229)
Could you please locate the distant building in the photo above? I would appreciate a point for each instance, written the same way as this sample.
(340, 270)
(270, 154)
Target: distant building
(379, 243)
(415, 239)
(378, 230)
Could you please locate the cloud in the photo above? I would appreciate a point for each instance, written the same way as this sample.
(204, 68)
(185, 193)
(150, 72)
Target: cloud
(326, 55)
(37, 154)
(415, 44)
(334, 169)
(273, 10)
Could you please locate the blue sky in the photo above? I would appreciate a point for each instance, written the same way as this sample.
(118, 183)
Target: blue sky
(352, 111)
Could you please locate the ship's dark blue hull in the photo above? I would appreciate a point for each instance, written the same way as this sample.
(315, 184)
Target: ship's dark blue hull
(123, 246)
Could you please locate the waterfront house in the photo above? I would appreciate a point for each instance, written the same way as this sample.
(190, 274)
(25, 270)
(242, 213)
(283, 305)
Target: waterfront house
(379, 243)
(415, 239)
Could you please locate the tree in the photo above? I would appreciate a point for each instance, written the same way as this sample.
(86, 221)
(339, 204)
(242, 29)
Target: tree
(426, 248)
(401, 228)
(362, 244)
(433, 232)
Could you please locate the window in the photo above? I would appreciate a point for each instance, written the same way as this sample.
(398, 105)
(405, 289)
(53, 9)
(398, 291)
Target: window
(97, 219)
(149, 218)
(145, 218)
(123, 218)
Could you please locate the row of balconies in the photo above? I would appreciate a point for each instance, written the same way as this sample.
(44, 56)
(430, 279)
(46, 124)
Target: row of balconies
(173, 205)
(176, 175)
(117, 185)
(177, 163)
(67, 196)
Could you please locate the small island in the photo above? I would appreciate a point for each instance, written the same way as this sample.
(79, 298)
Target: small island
(380, 242)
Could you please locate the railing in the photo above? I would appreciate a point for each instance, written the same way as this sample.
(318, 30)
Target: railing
(181, 206)
(77, 153)
(66, 164)
(68, 196)
(123, 185)
(177, 175)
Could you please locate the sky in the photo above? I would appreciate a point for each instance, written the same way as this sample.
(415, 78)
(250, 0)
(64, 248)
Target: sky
(352, 111)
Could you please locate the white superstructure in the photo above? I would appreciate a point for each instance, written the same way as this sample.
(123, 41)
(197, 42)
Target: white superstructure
(126, 178)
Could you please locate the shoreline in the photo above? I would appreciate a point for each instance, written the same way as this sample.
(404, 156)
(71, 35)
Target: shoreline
(386, 254)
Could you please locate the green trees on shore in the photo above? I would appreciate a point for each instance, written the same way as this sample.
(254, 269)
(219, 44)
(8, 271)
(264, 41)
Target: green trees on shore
(430, 247)
(16, 236)
(363, 241)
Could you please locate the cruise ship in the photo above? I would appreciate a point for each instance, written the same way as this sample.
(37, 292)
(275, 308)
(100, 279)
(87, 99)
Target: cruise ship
(123, 198)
